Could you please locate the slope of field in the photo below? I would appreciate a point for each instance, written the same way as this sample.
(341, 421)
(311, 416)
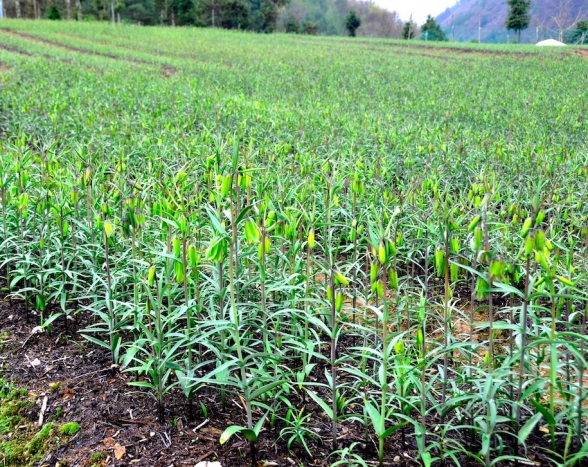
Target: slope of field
(355, 251)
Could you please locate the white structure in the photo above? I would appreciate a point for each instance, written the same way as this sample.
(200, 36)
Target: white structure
(550, 43)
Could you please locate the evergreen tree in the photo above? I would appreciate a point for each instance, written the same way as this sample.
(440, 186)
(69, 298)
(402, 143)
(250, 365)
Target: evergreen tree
(518, 16)
(183, 11)
(432, 31)
(352, 22)
(409, 30)
(53, 12)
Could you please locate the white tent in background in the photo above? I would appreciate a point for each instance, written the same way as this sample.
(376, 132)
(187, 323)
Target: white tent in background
(550, 42)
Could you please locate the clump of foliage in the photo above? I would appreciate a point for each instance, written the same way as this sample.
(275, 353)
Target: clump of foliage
(53, 12)
(352, 22)
(409, 30)
(432, 31)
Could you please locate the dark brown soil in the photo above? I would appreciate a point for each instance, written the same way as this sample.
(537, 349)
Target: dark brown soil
(112, 414)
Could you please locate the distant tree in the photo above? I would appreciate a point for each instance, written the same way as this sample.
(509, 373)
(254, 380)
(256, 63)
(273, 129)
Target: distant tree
(141, 11)
(183, 11)
(432, 30)
(578, 35)
(292, 25)
(518, 16)
(352, 22)
(235, 14)
(264, 14)
(409, 30)
(53, 12)
(310, 27)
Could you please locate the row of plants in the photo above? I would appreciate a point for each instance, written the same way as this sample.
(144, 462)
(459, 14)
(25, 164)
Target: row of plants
(416, 276)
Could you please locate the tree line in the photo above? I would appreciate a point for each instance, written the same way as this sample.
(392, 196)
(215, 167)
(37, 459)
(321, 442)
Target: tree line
(296, 16)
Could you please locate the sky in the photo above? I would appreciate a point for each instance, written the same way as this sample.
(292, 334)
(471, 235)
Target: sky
(418, 8)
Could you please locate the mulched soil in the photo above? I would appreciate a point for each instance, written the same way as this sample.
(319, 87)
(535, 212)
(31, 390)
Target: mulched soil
(112, 414)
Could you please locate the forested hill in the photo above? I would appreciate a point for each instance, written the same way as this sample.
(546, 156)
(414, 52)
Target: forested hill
(301, 16)
(328, 17)
(548, 17)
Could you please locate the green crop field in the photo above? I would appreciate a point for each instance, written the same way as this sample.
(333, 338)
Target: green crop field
(364, 247)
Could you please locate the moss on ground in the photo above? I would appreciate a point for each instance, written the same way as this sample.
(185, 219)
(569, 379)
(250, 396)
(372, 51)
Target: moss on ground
(22, 443)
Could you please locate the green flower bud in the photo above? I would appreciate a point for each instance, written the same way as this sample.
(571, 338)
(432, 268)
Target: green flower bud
(393, 279)
(252, 234)
(539, 239)
(177, 245)
(151, 276)
(474, 223)
(382, 256)
(338, 302)
(526, 227)
(192, 256)
(311, 239)
(439, 261)
(179, 271)
(374, 272)
(529, 244)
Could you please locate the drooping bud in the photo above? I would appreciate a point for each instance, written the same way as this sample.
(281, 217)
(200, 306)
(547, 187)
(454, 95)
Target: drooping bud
(151, 276)
(454, 245)
(340, 279)
(399, 348)
(439, 261)
(338, 302)
(539, 239)
(477, 240)
(40, 303)
(226, 186)
(526, 227)
(529, 244)
(177, 246)
(108, 228)
(183, 224)
(454, 272)
(393, 279)
(179, 271)
(252, 233)
(540, 217)
(382, 254)
(497, 267)
(311, 239)
(353, 232)
(268, 244)
(192, 256)
(481, 288)
(379, 287)
(541, 260)
(487, 358)
(565, 281)
(420, 338)
(390, 248)
(374, 272)
(474, 223)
